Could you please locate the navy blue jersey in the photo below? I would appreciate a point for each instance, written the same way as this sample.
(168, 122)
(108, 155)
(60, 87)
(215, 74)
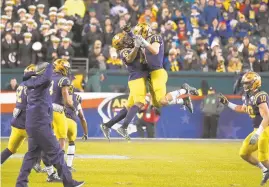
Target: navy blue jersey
(39, 103)
(19, 113)
(138, 68)
(58, 81)
(69, 112)
(252, 103)
(155, 62)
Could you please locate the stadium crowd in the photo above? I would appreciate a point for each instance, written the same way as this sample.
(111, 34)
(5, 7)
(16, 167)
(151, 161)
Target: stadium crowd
(200, 35)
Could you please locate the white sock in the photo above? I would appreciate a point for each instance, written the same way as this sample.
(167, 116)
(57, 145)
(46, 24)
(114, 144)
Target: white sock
(180, 101)
(262, 167)
(70, 155)
(50, 170)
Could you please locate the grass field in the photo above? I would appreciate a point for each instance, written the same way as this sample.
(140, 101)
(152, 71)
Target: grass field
(151, 164)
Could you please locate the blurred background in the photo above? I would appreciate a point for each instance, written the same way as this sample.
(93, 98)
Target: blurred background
(208, 43)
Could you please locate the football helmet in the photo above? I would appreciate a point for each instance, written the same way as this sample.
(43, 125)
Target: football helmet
(142, 29)
(122, 40)
(251, 81)
(29, 71)
(62, 66)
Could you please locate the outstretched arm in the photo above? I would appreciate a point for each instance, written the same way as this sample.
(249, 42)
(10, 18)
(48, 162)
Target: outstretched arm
(235, 107)
(40, 79)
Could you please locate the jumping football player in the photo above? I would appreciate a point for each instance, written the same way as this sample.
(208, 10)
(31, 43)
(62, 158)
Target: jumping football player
(71, 118)
(60, 97)
(38, 127)
(153, 47)
(256, 105)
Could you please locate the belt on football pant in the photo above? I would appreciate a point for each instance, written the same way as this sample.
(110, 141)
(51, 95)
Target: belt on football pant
(57, 108)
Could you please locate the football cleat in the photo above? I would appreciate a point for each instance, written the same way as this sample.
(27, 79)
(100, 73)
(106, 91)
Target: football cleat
(123, 132)
(191, 90)
(105, 130)
(71, 169)
(54, 178)
(79, 184)
(265, 177)
(188, 103)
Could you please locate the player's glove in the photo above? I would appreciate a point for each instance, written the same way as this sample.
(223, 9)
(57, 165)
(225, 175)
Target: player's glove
(254, 138)
(137, 42)
(84, 137)
(144, 42)
(127, 27)
(223, 99)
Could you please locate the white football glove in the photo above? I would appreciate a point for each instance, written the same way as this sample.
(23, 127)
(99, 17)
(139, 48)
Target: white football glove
(254, 139)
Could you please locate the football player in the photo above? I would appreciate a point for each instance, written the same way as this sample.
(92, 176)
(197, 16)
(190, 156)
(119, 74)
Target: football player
(59, 91)
(131, 55)
(18, 133)
(38, 127)
(71, 118)
(256, 105)
(153, 48)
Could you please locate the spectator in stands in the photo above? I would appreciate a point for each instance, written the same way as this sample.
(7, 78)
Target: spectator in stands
(31, 29)
(8, 51)
(234, 65)
(113, 62)
(119, 9)
(66, 51)
(52, 51)
(245, 47)
(165, 16)
(17, 34)
(262, 19)
(25, 51)
(211, 108)
(93, 35)
(242, 28)
(172, 63)
(13, 85)
(147, 17)
(204, 62)
(108, 35)
(265, 63)
(252, 62)
(211, 12)
(134, 9)
(191, 61)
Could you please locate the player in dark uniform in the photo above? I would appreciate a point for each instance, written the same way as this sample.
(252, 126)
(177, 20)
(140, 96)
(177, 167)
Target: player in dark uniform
(38, 126)
(71, 118)
(153, 47)
(256, 105)
(18, 132)
(132, 56)
(60, 97)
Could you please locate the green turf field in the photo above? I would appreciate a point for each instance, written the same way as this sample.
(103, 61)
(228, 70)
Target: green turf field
(151, 164)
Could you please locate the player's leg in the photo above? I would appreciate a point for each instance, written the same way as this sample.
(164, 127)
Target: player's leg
(138, 91)
(16, 139)
(263, 153)
(49, 144)
(29, 161)
(246, 151)
(71, 136)
(60, 127)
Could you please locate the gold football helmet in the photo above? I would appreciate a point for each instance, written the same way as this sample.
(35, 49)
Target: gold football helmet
(30, 68)
(61, 66)
(251, 81)
(142, 29)
(122, 40)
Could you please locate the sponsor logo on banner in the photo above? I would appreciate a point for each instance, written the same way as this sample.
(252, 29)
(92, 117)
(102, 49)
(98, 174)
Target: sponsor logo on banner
(110, 107)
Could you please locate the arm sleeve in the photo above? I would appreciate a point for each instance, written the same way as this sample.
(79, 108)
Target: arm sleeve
(156, 38)
(124, 54)
(40, 80)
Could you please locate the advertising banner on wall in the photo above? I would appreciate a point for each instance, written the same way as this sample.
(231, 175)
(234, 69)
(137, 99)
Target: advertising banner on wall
(175, 121)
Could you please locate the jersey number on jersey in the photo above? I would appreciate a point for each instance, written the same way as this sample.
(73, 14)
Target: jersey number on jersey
(51, 87)
(18, 94)
(250, 112)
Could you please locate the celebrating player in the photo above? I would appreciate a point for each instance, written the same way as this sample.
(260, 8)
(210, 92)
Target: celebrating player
(60, 97)
(256, 104)
(71, 118)
(38, 127)
(153, 47)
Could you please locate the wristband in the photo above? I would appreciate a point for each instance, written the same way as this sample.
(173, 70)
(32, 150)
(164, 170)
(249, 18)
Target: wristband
(259, 130)
(232, 105)
(145, 42)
